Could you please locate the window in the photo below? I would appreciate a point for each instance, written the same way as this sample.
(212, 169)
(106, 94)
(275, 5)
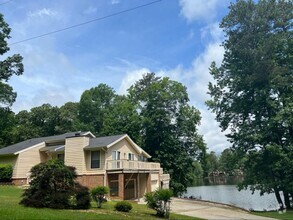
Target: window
(95, 159)
(115, 155)
(60, 157)
(130, 156)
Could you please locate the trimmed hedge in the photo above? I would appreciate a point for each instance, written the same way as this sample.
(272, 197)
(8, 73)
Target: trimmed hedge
(5, 172)
(123, 206)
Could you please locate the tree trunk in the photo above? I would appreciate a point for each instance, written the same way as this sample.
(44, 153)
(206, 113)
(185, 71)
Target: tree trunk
(287, 200)
(279, 199)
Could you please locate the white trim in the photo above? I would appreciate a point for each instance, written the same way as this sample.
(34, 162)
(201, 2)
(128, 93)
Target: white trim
(134, 145)
(28, 148)
(90, 133)
(110, 145)
(59, 148)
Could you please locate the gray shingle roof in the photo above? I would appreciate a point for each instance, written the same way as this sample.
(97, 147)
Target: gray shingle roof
(31, 142)
(103, 141)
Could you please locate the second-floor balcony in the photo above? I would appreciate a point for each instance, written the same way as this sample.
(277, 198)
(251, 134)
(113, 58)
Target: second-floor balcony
(131, 165)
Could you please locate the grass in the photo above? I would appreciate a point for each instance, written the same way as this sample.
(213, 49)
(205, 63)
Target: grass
(288, 215)
(10, 209)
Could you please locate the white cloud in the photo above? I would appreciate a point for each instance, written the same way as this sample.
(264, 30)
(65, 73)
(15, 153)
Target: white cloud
(42, 13)
(90, 10)
(114, 2)
(130, 78)
(198, 10)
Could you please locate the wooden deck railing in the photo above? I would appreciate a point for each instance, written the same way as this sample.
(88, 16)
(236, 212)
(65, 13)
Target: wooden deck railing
(131, 165)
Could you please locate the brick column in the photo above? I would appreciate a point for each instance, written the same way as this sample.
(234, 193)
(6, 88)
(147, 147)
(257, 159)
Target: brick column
(121, 186)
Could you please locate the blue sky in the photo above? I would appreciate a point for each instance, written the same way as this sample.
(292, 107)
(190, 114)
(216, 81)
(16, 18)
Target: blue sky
(174, 38)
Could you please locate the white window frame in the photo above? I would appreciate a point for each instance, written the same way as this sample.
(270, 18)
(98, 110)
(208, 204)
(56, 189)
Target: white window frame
(117, 155)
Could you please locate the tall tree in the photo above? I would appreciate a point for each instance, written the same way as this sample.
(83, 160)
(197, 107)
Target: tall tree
(11, 65)
(169, 126)
(93, 105)
(253, 93)
(122, 118)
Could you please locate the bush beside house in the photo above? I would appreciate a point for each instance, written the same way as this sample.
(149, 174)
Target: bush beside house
(160, 201)
(5, 172)
(123, 206)
(53, 186)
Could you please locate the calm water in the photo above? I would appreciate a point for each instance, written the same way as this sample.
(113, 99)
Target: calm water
(229, 194)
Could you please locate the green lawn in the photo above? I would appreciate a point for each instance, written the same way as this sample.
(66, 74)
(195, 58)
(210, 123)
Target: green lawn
(288, 215)
(10, 209)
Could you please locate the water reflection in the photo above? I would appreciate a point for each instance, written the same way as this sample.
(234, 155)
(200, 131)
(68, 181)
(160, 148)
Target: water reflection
(224, 190)
(218, 180)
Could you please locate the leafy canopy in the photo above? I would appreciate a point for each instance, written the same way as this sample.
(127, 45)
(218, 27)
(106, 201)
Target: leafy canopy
(252, 96)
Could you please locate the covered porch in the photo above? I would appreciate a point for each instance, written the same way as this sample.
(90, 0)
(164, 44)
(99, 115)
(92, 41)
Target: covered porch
(128, 186)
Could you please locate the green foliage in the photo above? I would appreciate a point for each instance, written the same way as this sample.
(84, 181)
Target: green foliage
(160, 201)
(92, 106)
(5, 172)
(253, 94)
(53, 186)
(98, 194)
(80, 198)
(168, 126)
(123, 206)
(10, 66)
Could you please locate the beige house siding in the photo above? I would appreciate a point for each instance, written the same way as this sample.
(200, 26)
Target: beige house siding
(124, 147)
(88, 169)
(10, 160)
(155, 181)
(74, 153)
(27, 159)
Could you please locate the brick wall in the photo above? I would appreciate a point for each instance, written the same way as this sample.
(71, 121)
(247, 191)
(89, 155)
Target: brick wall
(91, 181)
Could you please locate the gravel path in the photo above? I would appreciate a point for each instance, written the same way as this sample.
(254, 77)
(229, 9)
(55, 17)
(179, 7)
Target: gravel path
(209, 210)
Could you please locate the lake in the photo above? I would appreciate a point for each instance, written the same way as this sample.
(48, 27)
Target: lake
(229, 194)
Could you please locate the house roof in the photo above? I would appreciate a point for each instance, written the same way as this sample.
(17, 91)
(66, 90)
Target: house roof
(103, 141)
(109, 141)
(94, 143)
(13, 149)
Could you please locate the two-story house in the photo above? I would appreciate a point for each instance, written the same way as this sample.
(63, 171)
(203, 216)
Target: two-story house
(113, 161)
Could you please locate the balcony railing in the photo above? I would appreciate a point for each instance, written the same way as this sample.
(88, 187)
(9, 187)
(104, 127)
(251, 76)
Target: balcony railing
(131, 165)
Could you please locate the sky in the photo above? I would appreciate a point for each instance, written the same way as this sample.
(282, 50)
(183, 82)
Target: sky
(174, 38)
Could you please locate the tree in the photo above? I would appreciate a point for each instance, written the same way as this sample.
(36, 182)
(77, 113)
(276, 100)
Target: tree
(12, 65)
(93, 105)
(253, 93)
(122, 118)
(53, 186)
(168, 127)
(7, 124)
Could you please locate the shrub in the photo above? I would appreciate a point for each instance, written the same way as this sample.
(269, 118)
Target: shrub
(98, 194)
(123, 206)
(160, 201)
(81, 197)
(53, 186)
(5, 172)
